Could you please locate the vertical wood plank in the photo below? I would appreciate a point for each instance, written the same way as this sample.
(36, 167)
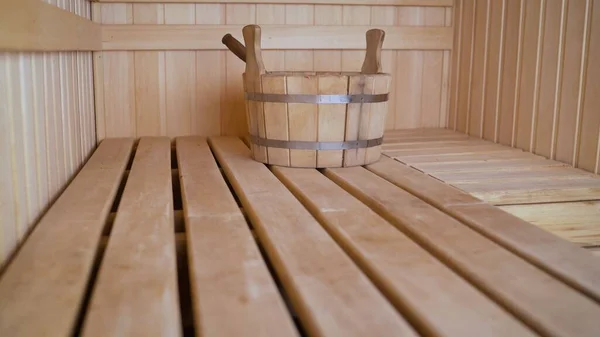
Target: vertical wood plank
(119, 87)
(529, 70)
(387, 16)
(274, 60)
(493, 67)
(180, 76)
(210, 75)
(303, 119)
(547, 95)
(464, 86)
(328, 60)
(589, 144)
(409, 74)
(98, 64)
(445, 104)
(276, 119)
(509, 72)
(352, 60)
(331, 119)
(233, 108)
(150, 104)
(299, 60)
(39, 132)
(571, 77)
(456, 58)
(8, 226)
(431, 89)
(478, 84)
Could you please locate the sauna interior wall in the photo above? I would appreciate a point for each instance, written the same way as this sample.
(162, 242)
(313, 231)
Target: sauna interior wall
(200, 91)
(47, 130)
(526, 74)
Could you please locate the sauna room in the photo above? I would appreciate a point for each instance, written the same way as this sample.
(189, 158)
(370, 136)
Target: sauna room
(299, 168)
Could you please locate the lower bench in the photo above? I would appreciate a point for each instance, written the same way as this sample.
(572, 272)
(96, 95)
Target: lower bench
(382, 250)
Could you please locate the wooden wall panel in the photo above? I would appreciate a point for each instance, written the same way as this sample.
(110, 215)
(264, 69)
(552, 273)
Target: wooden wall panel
(46, 131)
(525, 75)
(203, 95)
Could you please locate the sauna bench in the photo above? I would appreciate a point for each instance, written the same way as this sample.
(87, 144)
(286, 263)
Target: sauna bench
(195, 238)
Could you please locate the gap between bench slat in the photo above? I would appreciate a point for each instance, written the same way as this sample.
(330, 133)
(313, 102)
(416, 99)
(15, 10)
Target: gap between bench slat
(438, 301)
(328, 291)
(42, 289)
(553, 254)
(544, 303)
(136, 289)
(233, 292)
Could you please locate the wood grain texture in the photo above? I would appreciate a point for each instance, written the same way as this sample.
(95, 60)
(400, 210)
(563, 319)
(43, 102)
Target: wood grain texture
(33, 25)
(320, 36)
(403, 270)
(470, 254)
(536, 76)
(181, 37)
(140, 251)
(578, 222)
(48, 131)
(436, 3)
(225, 262)
(296, 245)
(57, 258)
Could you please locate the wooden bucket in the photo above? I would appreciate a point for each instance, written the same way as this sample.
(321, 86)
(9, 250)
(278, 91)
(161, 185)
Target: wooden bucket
(315, 119)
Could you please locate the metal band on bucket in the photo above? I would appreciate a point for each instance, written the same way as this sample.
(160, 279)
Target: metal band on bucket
(316, 99)
(306, 145)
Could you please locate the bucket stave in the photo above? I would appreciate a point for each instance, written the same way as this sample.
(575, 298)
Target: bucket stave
(315, 119)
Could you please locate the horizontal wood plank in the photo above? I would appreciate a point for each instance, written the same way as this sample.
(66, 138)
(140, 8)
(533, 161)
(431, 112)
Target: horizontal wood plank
(401, 268)
(520, 287)
(327, 290)
(208, 37)
(551, 253)
(136, 289)
(578, 222)
(233, 292)
(56, 260)
(420, 3)
(33, 25)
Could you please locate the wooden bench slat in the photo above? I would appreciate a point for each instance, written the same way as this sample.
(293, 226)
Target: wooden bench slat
(486, 165)
(488, 176)
(136, 289)
(467, 157)
(578, 222)
(442, 152)
(331, 295)
(42, 289)
(545, 303)
(544, 249)
(233, 292)
(403, 270)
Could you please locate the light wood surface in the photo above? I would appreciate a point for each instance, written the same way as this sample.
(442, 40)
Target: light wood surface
(33, 25)
(233, 292)
(183, 37)
(403, 270)
(578, 222)
(324, 2)
(216, 88)
(296, 245)
(47, 128)
(56, 260)
(528, 68)
(528, 185)
(138, 277)
(471, 255)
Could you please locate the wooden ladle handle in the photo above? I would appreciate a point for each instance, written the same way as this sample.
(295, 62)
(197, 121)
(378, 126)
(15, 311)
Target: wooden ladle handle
(235, 46)
(372, 63)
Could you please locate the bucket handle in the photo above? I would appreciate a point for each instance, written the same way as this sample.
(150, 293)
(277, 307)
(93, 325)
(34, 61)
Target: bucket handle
(372, 62)
(252, 38)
